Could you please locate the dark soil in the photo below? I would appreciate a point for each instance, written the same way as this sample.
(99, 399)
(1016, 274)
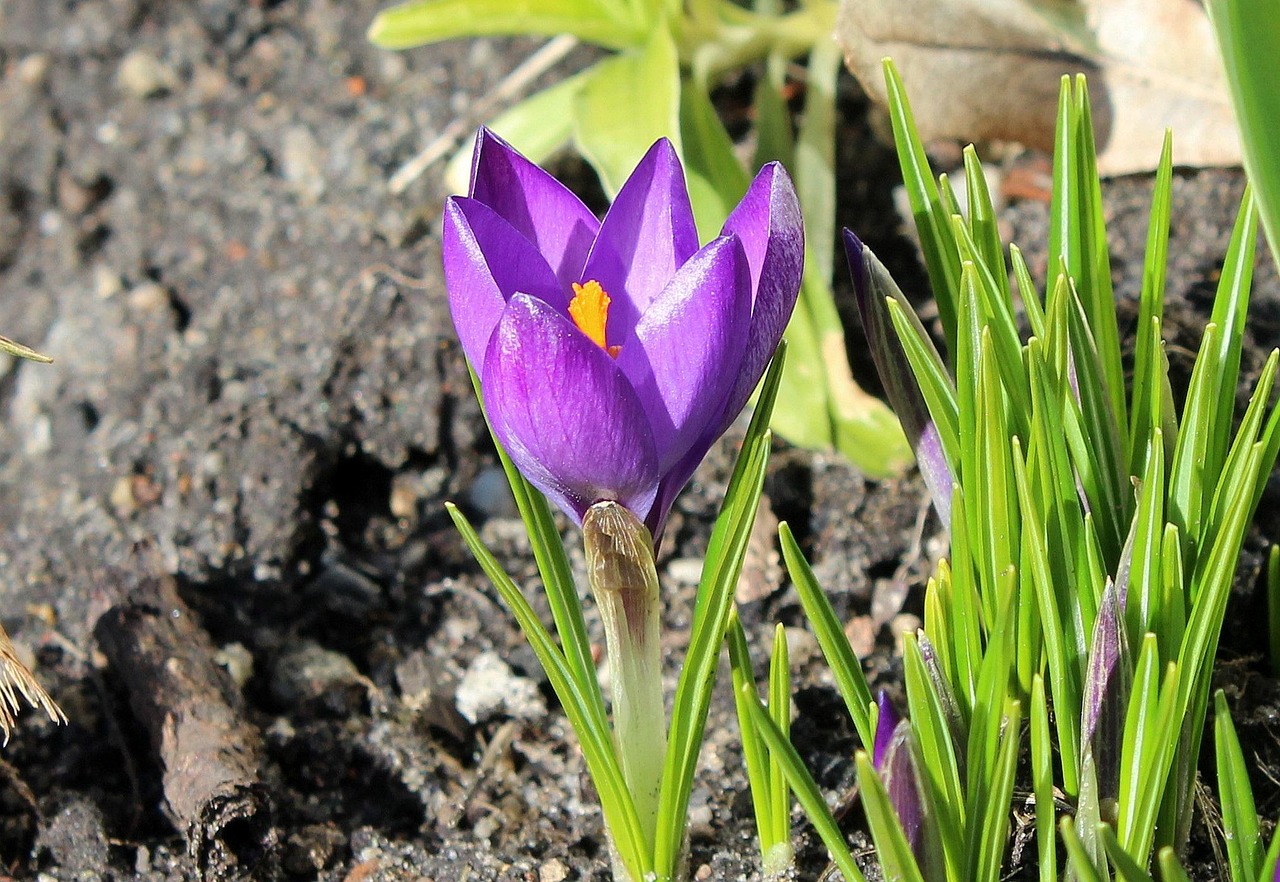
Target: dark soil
(256, 414)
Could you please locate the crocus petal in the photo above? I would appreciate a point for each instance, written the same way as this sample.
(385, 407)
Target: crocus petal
(688, 345)
(545, 212)
(485, 262)
(565, 414)
(886, 722)
(646, 236)
(768, 222)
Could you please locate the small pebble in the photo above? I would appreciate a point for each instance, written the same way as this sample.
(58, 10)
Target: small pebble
(490, 689)
(143, 75)
(553, 871)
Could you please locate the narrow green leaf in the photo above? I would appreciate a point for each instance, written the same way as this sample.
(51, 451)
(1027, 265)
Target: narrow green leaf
(1171, 870)
(1250, 44)
(1273, 606)
(1127, 867)
(935, 383)
(983, 226)
(726, 551)
(17, 350)
(753, 752)
(591, 728)
(1027, 292)
(932, 222)
(892, 848)
(806, 791)
(1078, 858)
(815, 156)
(775, 141)
(632, 101)
(716, 179)
(1042, 783)
(1245, 851)
(780, 713)
(989, 832)
(845, 667)
(1188, 483)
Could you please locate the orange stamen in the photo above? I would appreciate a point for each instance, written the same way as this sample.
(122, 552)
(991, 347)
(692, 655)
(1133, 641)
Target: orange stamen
(589, 310)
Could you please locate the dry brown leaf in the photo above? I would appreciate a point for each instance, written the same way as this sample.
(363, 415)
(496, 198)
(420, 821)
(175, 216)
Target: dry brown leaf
(982, 70)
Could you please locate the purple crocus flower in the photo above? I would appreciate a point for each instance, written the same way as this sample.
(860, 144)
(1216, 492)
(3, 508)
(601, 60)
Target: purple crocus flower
(613, 353)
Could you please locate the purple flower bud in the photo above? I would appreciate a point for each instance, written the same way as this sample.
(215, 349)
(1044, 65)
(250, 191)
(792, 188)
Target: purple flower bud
(902, 783)
(872, 284)
(612, 354)
(885, 726)
(1106, 694)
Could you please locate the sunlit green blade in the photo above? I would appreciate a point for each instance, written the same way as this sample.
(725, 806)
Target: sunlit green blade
(1064, 666)
(1150, 372)
(1245, 853)
(989, 831)
(1250, 44)
(780, 712)
(1230, 311)
(1188, 484)
(1042, 783)
(1251, 427)
(1273, 606)
(932, 222)
(557, 575)
(806, 791)
(722, 565)
(935, 383)
(1269, 863)
(1153, 752)
(774, 139)
(1027, 292)
(1146, 575)
(937, 753)
(1171, 870)
(591, 727)
(632, 101)
(1127, 869)
(754, 756)
(892, 848)
(845, 667)
(1095, 281)
(983, 226)
(429, 21)
(1079, 859)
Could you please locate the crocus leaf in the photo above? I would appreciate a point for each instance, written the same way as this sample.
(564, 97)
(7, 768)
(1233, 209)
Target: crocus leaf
(774, 138)
(1042, 782)
(1127, 869)
(1273, 606)
(591, 727)
(726, 551)
(1245, 853)
(1171, 869)
(845, 667)
(815, 156)
(804, 787)
(430, 21)
(754, 755)
(988, 834)
(633, 100)
(892, 846)
(1079, 859)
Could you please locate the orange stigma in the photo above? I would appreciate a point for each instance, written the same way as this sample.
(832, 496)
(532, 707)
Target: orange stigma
(589, 310)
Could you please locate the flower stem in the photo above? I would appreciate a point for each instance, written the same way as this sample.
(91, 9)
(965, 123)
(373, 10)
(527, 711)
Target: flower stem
(624, 581)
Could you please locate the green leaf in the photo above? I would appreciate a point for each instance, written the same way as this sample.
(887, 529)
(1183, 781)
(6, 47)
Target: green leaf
(754, 755)
(775, 141)
(1079, 859)
(892, 848)
(932, 221)
(1245, 853)
(589, 724)
(780, 712)
(845, 667)
(1250, 44)
(632, 101)
(989, 832)
(1171, 870)
(429, 21)
(1127, 868)
(1273, 606)
(726, 551)
(806, 791)
(17, 350)
(1042, 783)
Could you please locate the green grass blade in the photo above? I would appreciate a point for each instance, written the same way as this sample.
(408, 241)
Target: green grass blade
(1127, 868)
(1273, 606)
(845, 667)
(1077, 856)
(932, 222)
(1042, 783)
(805, 789)
(754, 755)
(780, 713)
(892, 848)
(989, 831)
(726, 551)
(592, 729)
(429, 21)
(1245, 853)
(1170, 868)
